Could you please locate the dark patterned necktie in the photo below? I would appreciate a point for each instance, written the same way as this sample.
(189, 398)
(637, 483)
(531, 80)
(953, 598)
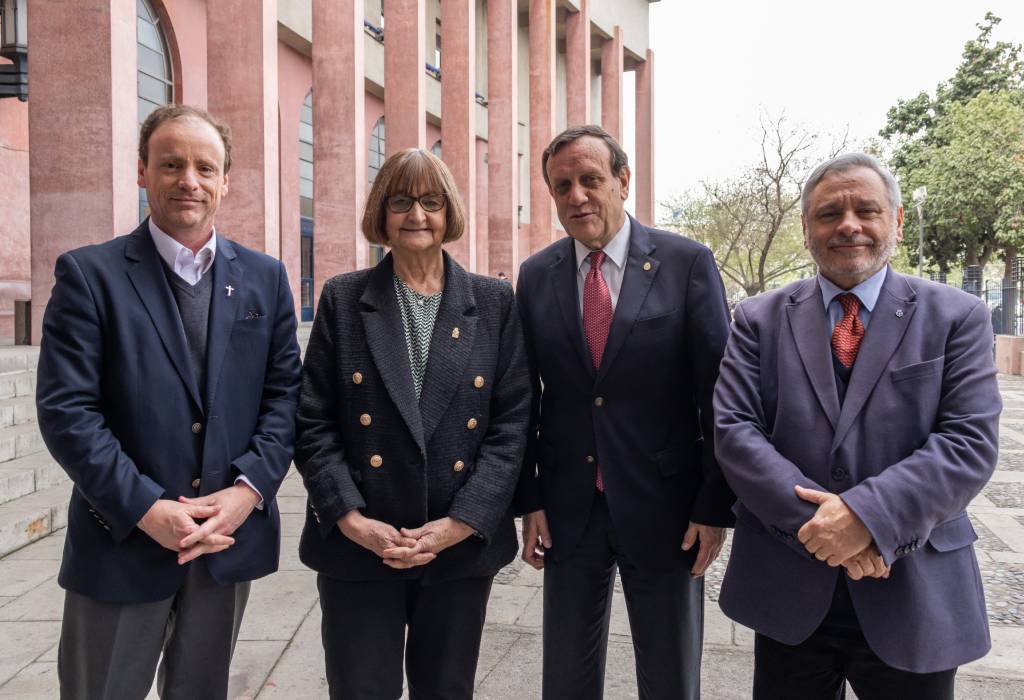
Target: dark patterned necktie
(597, 319)
(848, 332)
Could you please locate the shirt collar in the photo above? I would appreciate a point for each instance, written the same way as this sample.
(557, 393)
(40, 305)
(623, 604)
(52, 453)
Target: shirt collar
(615, 251)
(170, 250)
(867, 291)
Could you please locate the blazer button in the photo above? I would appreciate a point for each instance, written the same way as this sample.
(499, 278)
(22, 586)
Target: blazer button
(478, 382)
(197, 428)
(838, 473)
(195, 483)
(459, 466)
(357, 377)
(599, 401)
(589, 459)
(471, 424)
(365, 419)
(376, 461)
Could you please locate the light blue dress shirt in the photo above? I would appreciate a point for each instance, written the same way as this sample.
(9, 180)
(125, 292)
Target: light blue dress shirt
(867, 292)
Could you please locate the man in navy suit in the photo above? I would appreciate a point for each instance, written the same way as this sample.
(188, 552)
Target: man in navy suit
(856, 416)
(168, 382)
(625, 328)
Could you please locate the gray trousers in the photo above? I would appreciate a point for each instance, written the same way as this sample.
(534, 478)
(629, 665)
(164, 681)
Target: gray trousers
(110, 651)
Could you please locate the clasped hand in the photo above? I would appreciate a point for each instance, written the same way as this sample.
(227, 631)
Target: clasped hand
(403, 548)
(838, 537)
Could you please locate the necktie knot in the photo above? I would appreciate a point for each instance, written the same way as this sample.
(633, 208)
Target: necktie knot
(849, 332)
(596, 259)
(850, 304)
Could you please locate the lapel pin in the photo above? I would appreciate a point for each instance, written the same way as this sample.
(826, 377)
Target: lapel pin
(229, 289)
(647, 265)
(899, 313)
(455, 332)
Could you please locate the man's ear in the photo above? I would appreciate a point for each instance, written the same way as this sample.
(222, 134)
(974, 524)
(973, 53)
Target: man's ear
(803, 226)
(899, 225)
(624, 176)
(142, 174)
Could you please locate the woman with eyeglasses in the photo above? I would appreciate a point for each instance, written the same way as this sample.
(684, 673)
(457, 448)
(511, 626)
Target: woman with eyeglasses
(412, 425)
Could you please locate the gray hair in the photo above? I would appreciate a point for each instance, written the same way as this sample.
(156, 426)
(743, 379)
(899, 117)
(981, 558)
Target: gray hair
(849, 161)
(619, 159)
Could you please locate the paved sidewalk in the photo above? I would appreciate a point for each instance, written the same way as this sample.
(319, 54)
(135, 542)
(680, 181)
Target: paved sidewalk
(279, 653)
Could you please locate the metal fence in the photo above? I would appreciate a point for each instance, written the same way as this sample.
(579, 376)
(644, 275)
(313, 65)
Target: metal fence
(1004, 298)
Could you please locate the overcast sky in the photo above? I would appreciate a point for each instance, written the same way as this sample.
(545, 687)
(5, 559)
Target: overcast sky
(828, 65)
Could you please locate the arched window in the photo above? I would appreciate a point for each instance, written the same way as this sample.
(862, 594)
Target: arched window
(306, 206)
(436, 148)
(156, 82)
(374, 161)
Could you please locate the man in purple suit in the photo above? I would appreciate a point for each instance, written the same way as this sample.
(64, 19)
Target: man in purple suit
(856, 416)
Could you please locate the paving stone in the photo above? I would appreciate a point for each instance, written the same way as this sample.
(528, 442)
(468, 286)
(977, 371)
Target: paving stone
(290, 555)
(281, 602)
(49, 548)
(987, 540)
(252, 663)
(37, 680)
(1011, 461)
(1006, 495)
(1004, 592)
(20, 577)
(43, 603)
(510, 572)
(292, 504)
(508, 603)
(299, 672)
(22, 642)
(32, 517)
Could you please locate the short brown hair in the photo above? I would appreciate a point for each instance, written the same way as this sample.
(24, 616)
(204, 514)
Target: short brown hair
(619, 159)
(167, 113)
(404, 173)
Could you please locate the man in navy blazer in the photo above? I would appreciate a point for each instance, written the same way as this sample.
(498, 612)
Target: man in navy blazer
(620, 471)
(856, 417)
(168, 382)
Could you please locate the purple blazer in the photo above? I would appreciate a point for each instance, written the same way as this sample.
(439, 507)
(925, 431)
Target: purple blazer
(914, 442)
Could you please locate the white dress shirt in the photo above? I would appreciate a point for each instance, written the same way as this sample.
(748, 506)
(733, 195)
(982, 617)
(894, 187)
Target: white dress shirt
(614, 267)
(191, 267)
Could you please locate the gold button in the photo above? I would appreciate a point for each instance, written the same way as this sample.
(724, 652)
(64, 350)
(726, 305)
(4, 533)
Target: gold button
(376, 461)
(471, 424)
(357, 377)
(455, 332)
(197, 428)
(590, 459)
(599, 401)
(195, 483)
(459, 466)
(478, 382)
(647, 266)
(365, 419)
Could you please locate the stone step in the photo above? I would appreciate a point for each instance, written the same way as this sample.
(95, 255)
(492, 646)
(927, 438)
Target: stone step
(31, 517)
(16, 411)
(17, 383)
(20, 441)
(18, 358)
(26, 475)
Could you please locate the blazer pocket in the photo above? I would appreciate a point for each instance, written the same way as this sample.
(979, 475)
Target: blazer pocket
(656, 321)
(952, 534)
(919, 369)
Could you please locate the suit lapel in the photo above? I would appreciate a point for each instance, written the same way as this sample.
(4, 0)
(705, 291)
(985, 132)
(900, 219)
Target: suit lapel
(637, 279)
(227, 272)
(449, 351)
(808, 323)
(563, 278)
(148, 278)
(385, 335)
(884, 332)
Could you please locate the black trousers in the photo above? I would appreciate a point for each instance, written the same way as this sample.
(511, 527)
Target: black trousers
(364, 634)
(666, 619)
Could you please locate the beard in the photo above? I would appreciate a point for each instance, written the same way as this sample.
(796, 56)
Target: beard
(862, 265)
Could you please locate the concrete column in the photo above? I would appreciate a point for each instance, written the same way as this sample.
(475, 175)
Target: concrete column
(339, 137)
(577, 65)
(611, 84)
(643, 173)
(502, 142)
(458, 123)
(241, 78)
(83, 130)
(542, 118)
(404, 88)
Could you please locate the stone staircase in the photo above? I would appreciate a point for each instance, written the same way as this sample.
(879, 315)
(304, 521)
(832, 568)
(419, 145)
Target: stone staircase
(34, 490)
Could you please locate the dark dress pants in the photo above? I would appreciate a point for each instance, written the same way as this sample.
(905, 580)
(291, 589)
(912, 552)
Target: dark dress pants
(817, 668)
(666, 620)
(364, 634)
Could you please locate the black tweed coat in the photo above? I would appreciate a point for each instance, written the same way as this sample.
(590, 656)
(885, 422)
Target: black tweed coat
(365, 442)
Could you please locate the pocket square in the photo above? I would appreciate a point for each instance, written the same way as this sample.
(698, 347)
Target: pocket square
(253, 315)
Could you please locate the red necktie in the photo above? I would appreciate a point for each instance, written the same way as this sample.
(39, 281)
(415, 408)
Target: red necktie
(597, 318)
(849, 331)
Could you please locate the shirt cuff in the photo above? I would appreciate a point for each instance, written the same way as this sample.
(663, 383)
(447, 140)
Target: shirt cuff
(245, 480)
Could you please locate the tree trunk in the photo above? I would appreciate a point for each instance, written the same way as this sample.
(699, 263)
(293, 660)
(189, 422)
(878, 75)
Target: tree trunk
(1009, 256)
(972, 253)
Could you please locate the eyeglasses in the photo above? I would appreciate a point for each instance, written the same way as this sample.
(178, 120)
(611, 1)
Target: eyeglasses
(401, 203)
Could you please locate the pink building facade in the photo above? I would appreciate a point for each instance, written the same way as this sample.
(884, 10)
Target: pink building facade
(318, 93)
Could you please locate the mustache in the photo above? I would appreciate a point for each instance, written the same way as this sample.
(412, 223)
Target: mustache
(838, 241)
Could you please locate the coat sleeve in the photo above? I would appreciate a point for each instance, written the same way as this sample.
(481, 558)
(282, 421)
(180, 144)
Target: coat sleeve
(902, 504)
(762, 478)
(707, 318)
(69, 401)
(484, 499)
(270, 451)
(320, 449)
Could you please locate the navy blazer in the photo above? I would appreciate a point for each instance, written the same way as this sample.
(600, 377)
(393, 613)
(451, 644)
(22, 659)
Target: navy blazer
(913, 442)
(366, 442)
(120, 411)
(651, 429)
